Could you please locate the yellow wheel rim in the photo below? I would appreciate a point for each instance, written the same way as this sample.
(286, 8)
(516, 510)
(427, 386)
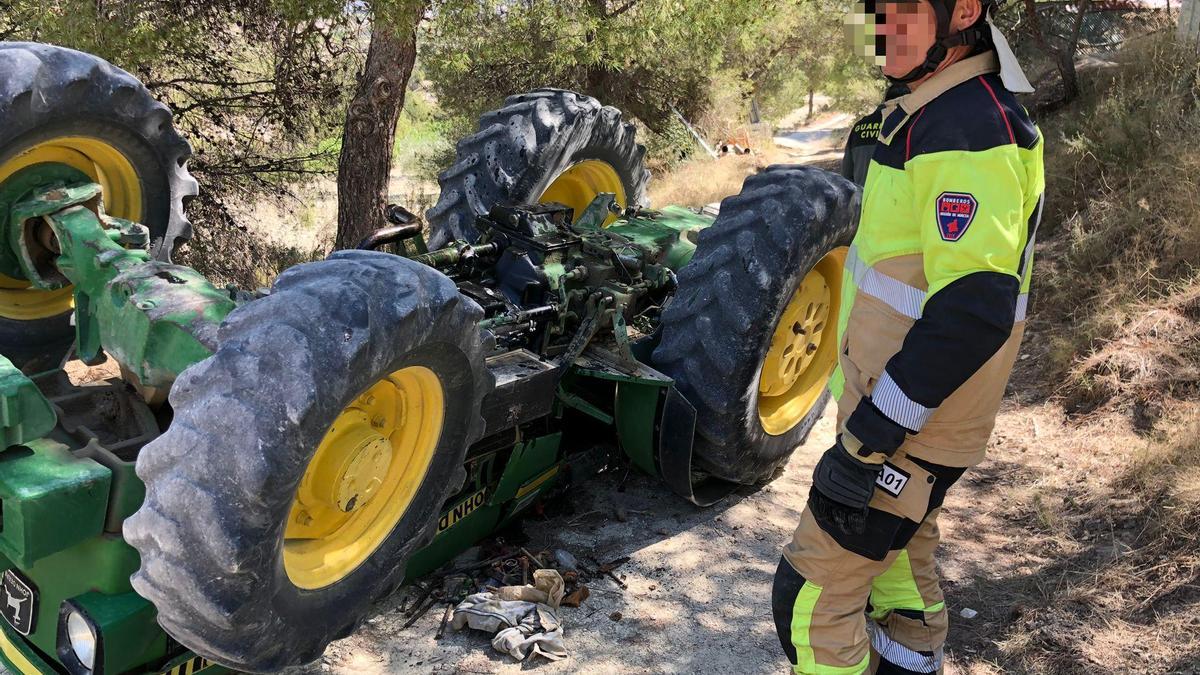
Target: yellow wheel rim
(578, 186)
(803, 351)
(122, 195)
(363, 477)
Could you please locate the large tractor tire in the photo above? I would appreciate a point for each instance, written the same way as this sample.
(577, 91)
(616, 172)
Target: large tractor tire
(751, 335)
(71, 116)
(308, 458)
(549, 145)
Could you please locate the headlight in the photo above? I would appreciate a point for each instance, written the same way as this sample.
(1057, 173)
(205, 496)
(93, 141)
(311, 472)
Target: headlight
(82, 639)
(80, 642)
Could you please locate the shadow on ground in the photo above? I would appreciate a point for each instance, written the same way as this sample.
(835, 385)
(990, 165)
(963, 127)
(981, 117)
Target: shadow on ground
(698, 597)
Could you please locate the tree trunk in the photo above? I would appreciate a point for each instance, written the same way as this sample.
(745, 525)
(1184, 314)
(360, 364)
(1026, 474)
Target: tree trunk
(1066, 62)
(812, 94)
(366, 160)
(1062, 55)
(1189, 20)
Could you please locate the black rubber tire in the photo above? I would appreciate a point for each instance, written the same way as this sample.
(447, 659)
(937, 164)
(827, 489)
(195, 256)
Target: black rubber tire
(38, 345)
(717, 329)
(51, 92)
(522, 147)
(221, 480)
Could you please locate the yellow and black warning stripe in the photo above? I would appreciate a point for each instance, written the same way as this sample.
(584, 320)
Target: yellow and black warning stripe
(193, 665)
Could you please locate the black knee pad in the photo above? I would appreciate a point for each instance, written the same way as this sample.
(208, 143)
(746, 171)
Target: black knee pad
(875, 541)
(784, 590)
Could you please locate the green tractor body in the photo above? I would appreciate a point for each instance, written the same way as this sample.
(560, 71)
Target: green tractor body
(68, 481)
(187, 511)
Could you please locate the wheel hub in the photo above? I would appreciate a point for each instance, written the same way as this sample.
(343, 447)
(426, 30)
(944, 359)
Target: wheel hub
(798, 338)
(363, 476)
(350, 471)
(802, 353)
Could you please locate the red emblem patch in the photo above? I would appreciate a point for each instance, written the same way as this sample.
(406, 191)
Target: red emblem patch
(955, 212)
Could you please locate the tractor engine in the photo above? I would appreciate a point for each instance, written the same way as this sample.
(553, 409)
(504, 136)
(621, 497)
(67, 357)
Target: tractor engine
(552, 286)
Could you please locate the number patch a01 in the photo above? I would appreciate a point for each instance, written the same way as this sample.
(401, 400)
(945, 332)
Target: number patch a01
(892, 480)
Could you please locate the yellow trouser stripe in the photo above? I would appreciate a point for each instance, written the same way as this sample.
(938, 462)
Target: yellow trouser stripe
(806, 659)
(897, 589)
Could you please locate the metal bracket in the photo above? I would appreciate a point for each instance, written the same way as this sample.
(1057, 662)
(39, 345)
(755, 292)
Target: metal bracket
(598, 212)
(154, 318)
(677, 435)
(25, 414)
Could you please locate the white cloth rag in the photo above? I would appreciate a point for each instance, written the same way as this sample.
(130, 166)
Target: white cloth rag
(520, 627)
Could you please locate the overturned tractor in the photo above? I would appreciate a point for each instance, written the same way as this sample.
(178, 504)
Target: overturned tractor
(268, 464)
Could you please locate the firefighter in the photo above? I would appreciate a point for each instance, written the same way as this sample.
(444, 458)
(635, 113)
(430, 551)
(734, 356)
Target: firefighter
(933, 310)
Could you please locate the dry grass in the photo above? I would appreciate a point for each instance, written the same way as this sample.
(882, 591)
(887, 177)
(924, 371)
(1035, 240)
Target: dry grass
(1152, 356)
(698, 182)
(1122, 177)
(1093, 494)
(229, 253)
(1134, 606)
(1082, 552)
(248, 245)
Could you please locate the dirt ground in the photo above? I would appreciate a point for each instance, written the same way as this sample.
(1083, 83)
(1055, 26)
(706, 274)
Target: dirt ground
(698, 597)
(699, 579)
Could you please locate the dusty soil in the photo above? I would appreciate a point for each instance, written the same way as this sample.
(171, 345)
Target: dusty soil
(699, 583)
(699, 579)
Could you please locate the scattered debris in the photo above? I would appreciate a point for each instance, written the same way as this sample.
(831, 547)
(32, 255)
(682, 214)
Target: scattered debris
(577, 598)
(533, 557)
(524, 619)
(607, 569)
(488, 589)
(566, 561)
(968, 613)
(736, 145)
(441, 631)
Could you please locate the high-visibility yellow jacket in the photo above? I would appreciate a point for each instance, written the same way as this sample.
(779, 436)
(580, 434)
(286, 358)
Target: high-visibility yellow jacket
(936, 285)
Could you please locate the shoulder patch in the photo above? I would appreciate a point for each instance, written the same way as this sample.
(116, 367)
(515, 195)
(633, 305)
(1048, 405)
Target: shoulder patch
(955, 213)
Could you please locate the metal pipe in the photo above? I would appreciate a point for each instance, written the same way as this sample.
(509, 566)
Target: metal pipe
(524, 316)
(388, 235)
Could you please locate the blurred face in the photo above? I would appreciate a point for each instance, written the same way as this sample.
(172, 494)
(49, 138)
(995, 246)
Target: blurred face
(896, 35)
(909, 30)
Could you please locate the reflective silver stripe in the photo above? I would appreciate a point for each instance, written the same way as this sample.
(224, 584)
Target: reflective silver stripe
(897, 654)
(908, 300)
(898, 407)
(895, 293)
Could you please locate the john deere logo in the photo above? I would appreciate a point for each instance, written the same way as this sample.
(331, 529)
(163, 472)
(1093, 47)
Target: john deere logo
(955, 212)
(17, 602)
(461, 511)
